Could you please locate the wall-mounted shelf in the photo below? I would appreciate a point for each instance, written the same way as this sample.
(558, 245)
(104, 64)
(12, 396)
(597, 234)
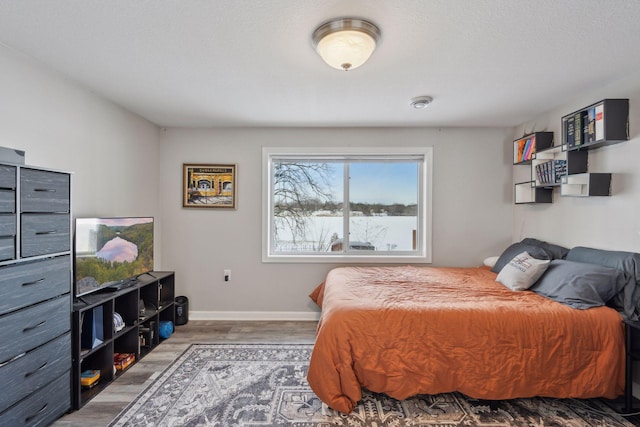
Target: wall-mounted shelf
(586, 184)
(566, 166)
(551, 164)
(603, 123)
(525, 151)
(527, 193)
(525, 148)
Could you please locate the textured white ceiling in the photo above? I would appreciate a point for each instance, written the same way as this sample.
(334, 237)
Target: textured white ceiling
(251, 63)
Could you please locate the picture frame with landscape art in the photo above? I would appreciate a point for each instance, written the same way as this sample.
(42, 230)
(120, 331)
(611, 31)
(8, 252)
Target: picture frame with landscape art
(209, 186)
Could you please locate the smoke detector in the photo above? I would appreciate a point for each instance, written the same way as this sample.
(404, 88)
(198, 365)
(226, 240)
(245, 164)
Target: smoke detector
(421, 102)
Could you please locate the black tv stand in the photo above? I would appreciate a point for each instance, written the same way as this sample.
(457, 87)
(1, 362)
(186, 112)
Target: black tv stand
(139, 336)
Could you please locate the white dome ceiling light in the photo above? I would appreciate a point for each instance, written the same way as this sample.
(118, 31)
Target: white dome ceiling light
(346, 43)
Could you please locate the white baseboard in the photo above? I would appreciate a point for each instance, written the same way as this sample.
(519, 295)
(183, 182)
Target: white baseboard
(254, 315)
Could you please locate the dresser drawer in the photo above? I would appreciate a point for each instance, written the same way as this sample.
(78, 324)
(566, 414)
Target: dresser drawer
(7, 225)
(44, 191)
(41, 408)
(7, 177)
(7, 201)
(26, 374)
(7, 248)
(45, 234)
(28, 328)
(29, 283)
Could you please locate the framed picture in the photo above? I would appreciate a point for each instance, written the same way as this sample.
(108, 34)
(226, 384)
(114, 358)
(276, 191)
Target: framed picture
(209, 186)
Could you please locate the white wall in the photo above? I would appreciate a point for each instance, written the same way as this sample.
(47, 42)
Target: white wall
(112, 153)
(600, 222)
(471, 215)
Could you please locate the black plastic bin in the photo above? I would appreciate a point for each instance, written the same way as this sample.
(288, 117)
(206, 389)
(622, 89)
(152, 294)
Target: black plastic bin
(182, 310)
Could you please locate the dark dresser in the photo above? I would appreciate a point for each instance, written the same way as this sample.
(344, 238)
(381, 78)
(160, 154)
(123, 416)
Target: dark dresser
(35, 295)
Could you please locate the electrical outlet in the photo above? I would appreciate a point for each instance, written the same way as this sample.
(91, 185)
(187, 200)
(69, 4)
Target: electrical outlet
(227, 275)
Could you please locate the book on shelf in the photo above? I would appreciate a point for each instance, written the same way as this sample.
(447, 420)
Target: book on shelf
(542, 173)
(577, 119)
(527, 150)
(520, 144)
(591, 125)
(545, 173)
(585, 126)
(89, 378)
(599, 131)
(559, 170)
(570, 132)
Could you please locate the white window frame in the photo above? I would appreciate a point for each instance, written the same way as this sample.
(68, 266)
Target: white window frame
(422, 254)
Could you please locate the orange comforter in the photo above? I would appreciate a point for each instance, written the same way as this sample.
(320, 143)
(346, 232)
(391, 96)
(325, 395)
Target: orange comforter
(422, 330)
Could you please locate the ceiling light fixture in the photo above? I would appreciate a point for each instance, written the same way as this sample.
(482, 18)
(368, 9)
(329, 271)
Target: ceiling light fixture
(421, 102)
(346, 43)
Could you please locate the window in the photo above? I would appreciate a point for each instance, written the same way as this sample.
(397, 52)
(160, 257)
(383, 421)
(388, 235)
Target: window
(332, 205)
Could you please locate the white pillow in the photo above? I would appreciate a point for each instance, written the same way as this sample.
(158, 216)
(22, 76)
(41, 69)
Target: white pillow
(491, 261)
(522, 272)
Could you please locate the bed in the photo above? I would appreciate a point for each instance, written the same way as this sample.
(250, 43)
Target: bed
(412, 330)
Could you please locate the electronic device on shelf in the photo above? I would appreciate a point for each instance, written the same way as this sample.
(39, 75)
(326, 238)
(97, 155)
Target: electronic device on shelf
(111, 253)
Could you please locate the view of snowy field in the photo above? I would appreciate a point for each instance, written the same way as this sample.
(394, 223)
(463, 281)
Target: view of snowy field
(385, 233)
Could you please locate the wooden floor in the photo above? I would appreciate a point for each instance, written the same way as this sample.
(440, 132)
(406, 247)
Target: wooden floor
(108, 404)
(104, 407)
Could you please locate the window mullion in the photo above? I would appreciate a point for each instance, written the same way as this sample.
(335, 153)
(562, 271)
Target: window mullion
(346, 209)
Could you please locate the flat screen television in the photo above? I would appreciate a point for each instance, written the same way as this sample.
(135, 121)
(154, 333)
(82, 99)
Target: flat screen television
(111, 252)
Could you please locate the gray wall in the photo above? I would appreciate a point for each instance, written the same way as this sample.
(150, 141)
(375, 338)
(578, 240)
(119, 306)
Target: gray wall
(124, 166)
(112, 153)
(471, 212)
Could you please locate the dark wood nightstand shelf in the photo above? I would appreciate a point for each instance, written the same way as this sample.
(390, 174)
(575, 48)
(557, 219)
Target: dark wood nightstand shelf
(632, 343)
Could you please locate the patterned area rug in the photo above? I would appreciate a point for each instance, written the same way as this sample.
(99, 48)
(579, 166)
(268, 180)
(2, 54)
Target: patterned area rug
(265, 385)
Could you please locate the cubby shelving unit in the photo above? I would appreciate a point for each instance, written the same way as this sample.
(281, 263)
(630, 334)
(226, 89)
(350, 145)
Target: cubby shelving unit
(95, 340)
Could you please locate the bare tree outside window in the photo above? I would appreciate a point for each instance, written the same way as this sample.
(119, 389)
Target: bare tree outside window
(299, 189)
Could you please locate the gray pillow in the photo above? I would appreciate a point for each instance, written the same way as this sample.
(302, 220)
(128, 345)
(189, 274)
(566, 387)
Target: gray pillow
(555, 251)
(579, 285)
(627, 300)
(515, 249)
